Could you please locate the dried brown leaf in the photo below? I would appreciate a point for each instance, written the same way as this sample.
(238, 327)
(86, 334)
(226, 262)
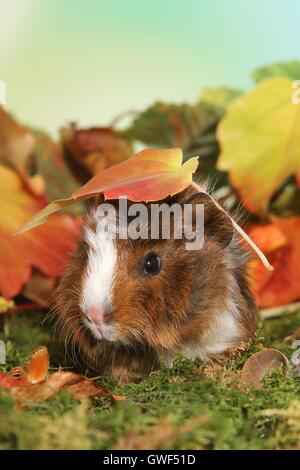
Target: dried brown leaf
(260, 364)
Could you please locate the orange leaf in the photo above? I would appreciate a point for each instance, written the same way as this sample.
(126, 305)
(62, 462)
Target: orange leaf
(45, 248)
(14, 269)
(80, 387)
(8, 381)
(38, 366)
(18, 373)
(149, 175)
(269, 237)
(281, 241)
(31, 385)
(36, 370)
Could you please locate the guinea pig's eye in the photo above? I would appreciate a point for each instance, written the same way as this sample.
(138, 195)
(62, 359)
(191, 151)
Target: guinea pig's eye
(151, 264)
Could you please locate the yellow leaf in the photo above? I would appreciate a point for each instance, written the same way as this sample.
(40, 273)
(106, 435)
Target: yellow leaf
(260, 141)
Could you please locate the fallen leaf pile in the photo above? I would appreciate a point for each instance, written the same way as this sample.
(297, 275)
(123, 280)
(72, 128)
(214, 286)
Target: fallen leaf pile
(33, 384)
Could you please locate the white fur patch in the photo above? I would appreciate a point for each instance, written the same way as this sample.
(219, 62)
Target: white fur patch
(223, 334)
(98, 281)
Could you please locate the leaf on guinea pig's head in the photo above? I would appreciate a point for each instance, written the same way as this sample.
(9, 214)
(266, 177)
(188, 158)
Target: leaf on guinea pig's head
(149, 175)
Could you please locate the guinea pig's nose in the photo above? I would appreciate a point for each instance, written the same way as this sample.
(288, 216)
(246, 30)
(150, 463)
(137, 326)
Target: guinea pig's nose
(97, 315)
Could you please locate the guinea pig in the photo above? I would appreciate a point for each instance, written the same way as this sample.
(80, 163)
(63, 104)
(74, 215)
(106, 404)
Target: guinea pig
(127, 304)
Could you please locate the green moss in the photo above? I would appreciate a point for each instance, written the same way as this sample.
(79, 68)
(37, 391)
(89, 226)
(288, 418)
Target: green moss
(172, 408)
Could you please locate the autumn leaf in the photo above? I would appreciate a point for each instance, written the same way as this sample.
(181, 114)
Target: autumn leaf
(80, 387)
(45, 248)
(260, 365)
(89, 151)
(48, 162)
(149, 175)
(260, 142)
(280, 240)
(33, 384)
(37, 368)
(36, 158)
(7, 381)
(173, 125)
(16, 151)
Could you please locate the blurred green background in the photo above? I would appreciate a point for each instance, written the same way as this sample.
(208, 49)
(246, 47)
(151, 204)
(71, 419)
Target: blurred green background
(89, 60)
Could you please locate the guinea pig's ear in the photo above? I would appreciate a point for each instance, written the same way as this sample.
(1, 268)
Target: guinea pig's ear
(217, 224)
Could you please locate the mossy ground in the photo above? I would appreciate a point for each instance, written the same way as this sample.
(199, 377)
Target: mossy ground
(178, 408)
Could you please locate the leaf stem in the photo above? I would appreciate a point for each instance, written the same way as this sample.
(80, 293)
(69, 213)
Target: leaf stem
(239, 230)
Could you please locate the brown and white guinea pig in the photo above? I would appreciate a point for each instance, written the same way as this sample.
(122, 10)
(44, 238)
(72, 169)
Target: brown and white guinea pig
(129, 303)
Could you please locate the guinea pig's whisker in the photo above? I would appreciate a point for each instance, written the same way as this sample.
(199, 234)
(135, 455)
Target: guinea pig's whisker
(72, 350)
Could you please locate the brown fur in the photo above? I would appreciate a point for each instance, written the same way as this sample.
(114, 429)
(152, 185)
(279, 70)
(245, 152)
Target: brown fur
(160, 315)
